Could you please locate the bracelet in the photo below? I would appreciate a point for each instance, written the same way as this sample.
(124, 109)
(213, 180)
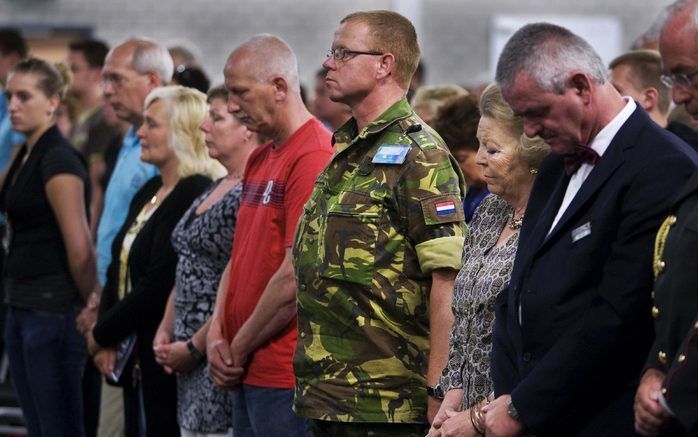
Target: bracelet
(472, 421)
(194, 352)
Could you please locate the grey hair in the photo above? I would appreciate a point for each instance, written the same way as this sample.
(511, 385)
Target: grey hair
(651, 35)
(269, 56)
(149, 56)
(678, 7)
(547, 52)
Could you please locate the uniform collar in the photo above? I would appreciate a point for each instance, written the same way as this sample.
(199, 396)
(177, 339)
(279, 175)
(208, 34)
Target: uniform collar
(347, 134)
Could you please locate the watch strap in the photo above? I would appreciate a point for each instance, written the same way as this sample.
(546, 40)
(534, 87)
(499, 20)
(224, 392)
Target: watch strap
(194, 352)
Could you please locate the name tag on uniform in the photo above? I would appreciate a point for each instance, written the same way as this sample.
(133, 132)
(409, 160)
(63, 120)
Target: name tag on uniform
(581, 232)
(391, 154)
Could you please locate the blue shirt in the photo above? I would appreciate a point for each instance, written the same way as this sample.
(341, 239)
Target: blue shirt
(130, 174)
(8, 138)
(472, 199)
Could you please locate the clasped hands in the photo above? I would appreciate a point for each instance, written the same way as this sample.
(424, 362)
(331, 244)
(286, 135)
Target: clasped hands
(226, 361)
(173, 356)
(450, 421)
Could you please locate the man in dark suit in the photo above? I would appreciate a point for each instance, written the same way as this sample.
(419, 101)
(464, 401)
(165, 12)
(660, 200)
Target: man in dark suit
(573, 329)
(666, 402)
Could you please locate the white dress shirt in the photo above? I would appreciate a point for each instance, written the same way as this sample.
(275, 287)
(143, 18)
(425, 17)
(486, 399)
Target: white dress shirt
(599, 144)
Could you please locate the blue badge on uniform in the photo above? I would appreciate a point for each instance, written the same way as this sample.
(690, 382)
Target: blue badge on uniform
(391, 154)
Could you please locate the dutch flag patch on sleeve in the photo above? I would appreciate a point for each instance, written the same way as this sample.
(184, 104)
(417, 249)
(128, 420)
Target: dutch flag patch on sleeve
(444, 208)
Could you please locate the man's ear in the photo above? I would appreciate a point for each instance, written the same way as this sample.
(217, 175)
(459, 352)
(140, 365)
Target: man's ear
(386, 67)
(280, 88)
(581, 84)
(154, 80)
(96, 75)
(650, 99)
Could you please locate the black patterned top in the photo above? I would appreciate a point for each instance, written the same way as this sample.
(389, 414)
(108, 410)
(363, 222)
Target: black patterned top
(485, 271)
(203, 244)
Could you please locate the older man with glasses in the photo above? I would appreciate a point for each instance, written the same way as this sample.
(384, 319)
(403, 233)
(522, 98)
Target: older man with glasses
(666, 403)
(131, 70)
(378, 246)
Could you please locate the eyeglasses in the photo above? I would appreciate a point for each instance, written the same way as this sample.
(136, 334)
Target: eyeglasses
(116, 79)
(342, 54)
(679, 79)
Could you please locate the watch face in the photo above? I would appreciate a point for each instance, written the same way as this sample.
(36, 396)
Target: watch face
(435, 392)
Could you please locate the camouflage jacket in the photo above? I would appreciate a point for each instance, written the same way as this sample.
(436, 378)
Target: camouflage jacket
(365, 246)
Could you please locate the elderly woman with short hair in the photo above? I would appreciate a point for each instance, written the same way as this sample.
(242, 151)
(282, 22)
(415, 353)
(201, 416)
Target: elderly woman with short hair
(509, 161)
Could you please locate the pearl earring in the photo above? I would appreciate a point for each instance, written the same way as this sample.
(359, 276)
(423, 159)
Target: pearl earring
(533, 170)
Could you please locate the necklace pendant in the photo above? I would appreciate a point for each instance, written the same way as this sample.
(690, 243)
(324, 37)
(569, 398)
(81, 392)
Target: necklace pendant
(154, 200)
(515, 223)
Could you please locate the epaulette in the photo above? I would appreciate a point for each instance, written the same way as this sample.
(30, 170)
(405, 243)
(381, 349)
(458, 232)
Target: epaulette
(416, 132)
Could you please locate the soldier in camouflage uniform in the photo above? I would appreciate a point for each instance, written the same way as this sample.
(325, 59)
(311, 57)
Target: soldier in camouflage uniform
(377, 247)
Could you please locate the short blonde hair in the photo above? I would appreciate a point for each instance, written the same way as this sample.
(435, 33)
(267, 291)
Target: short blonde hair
(188, 108)
(492, 105)
(392, 33)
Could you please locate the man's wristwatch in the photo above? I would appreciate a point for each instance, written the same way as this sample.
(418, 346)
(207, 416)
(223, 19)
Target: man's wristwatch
(194, 352)
(436, 392)
(512, 411)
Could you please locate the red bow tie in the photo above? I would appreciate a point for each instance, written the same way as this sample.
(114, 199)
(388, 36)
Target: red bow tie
(581, 155)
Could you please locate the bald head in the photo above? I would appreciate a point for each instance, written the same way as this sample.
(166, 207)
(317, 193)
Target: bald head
(131, 70)
(266, 56)
(146, 56)
(261, 76)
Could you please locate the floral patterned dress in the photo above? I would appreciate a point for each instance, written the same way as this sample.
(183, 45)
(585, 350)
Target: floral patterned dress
(203, 244)
(485, 271)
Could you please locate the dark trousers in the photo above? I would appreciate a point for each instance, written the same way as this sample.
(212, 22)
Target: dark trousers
(324, 428)
(47, 356)
(266, 412)
(91, 393)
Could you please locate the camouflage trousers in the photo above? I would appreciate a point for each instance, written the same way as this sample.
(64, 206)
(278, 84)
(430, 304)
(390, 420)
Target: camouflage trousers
(324, 428)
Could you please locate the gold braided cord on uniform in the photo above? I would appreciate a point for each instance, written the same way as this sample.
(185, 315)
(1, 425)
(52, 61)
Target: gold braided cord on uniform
(659, 243)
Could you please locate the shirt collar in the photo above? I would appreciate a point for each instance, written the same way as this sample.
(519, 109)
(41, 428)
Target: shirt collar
(347, 133)
(605, 136)
(131, 140)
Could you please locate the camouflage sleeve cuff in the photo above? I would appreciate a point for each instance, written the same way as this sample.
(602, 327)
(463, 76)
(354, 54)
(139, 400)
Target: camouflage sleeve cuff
(444, 252)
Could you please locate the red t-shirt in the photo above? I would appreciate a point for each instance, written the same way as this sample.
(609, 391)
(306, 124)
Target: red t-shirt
(278, 181)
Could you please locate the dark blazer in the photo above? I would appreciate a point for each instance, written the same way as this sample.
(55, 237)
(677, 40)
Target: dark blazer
(572, 365)
(152, 262)
(675, 310)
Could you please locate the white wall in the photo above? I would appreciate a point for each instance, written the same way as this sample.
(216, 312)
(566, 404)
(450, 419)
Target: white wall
(453, 33)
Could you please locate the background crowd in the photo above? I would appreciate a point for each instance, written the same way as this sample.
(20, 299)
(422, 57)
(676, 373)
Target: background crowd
(381, 259)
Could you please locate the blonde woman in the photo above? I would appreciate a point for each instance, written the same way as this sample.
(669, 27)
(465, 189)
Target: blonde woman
(203, 240)
(142, 271)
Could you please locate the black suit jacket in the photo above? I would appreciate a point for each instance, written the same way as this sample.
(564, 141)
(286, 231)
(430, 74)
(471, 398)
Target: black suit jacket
(572, 364)
(675, 349)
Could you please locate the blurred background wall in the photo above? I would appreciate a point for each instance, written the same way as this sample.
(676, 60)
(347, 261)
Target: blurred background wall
(455, 35)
